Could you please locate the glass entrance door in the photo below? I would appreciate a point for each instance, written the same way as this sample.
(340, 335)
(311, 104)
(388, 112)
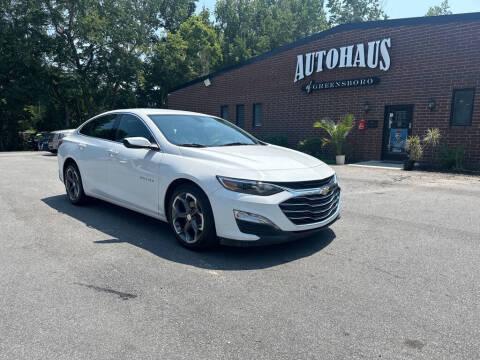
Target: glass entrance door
(396, 128)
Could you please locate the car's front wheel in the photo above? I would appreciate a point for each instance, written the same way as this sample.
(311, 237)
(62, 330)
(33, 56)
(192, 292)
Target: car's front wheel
(191, 218)
(73, 185)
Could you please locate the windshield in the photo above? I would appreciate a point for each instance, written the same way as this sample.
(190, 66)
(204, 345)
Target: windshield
(201, 131)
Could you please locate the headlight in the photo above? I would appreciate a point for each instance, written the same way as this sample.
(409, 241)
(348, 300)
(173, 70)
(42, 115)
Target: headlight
(249, 186)
(334, 179)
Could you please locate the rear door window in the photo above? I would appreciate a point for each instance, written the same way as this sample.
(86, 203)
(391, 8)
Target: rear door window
(102, 127)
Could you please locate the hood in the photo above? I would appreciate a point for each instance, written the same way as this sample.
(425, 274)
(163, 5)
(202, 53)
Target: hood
(254, 157)
(260, 162)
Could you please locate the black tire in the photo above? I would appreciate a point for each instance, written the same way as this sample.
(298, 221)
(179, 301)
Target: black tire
(74, 189)
(195, 230)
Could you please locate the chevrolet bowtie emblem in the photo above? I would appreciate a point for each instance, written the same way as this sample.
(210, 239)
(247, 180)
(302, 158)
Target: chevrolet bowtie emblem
(325, 190)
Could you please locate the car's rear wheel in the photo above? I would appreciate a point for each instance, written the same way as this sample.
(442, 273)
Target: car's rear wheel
(73, 185)
(191, 218)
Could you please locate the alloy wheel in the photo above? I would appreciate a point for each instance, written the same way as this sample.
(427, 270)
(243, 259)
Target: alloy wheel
(72, 183)
(187, 217)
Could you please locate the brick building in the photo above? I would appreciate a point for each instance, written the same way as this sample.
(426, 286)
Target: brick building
(400, 76)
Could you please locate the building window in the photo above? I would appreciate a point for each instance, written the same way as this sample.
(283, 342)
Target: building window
(462, 107)
(241, 115)
(224, 112)
(257, 115)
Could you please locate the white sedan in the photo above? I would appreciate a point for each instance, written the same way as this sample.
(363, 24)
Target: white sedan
(211, 180)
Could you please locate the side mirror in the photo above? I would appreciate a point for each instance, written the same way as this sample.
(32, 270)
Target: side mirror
(139, 143)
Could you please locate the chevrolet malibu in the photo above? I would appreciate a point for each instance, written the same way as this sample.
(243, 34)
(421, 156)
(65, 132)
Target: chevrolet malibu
(210, 180)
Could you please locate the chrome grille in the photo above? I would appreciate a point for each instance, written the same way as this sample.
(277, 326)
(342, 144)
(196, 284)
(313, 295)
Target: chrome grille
(308, 209)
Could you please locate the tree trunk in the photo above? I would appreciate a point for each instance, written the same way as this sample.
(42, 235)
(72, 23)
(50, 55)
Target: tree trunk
(67, 115)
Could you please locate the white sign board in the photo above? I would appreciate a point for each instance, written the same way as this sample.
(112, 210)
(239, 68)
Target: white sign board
(374, 55)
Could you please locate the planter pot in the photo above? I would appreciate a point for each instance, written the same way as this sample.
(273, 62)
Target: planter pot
(340, 159)
(408, 165)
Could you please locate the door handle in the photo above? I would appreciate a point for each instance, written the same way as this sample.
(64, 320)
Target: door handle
(82, 146)
(112, 153)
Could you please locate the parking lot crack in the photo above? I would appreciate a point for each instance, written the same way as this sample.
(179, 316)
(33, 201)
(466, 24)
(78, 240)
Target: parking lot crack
(122, 295)
(388, 273)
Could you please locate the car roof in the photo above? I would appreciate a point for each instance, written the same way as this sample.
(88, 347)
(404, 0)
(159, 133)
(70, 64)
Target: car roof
(152, 111)
(62, 131)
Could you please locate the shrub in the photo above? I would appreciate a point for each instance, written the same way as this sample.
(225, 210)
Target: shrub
(452, 158)
(280, 140)
(314, 148)
(414, 148)
(432, 137)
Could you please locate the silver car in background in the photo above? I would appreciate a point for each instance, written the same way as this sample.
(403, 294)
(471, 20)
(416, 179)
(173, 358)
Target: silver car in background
(55, 136)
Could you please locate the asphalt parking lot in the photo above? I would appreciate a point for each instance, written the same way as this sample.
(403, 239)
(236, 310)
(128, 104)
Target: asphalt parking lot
(398, 277)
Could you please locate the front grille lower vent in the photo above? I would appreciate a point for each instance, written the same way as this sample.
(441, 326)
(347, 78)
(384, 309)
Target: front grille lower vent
(302, 185)
(308, 209)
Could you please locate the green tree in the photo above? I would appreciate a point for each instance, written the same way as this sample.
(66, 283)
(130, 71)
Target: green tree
(252, 27)
(347, 11)
(190, 52)
(22, 74)
(442, 9)
(98, 48)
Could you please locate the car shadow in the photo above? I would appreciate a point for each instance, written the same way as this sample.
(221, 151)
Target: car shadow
(123, 225)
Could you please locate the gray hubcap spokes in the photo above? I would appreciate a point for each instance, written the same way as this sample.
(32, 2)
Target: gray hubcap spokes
(72, 183)
(187, 217)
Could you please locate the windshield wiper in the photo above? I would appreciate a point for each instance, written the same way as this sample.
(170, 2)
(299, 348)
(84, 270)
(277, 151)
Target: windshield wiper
(235, 143)
(192, 145)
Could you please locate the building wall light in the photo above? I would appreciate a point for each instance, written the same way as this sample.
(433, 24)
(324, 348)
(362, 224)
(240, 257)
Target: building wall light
(366, 106)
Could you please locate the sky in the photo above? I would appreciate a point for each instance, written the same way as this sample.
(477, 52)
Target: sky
(402, 8)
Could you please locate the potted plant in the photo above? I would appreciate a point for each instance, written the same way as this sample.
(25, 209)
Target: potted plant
(337, 133)
(416, 147)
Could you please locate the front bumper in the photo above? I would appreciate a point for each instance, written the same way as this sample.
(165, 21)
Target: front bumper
(232, 232)
(269, 235)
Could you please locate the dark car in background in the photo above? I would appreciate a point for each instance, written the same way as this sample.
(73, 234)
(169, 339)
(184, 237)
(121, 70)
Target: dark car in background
(42, 141)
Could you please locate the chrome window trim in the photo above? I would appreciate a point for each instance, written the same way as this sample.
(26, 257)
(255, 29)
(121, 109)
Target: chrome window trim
(116, 142)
